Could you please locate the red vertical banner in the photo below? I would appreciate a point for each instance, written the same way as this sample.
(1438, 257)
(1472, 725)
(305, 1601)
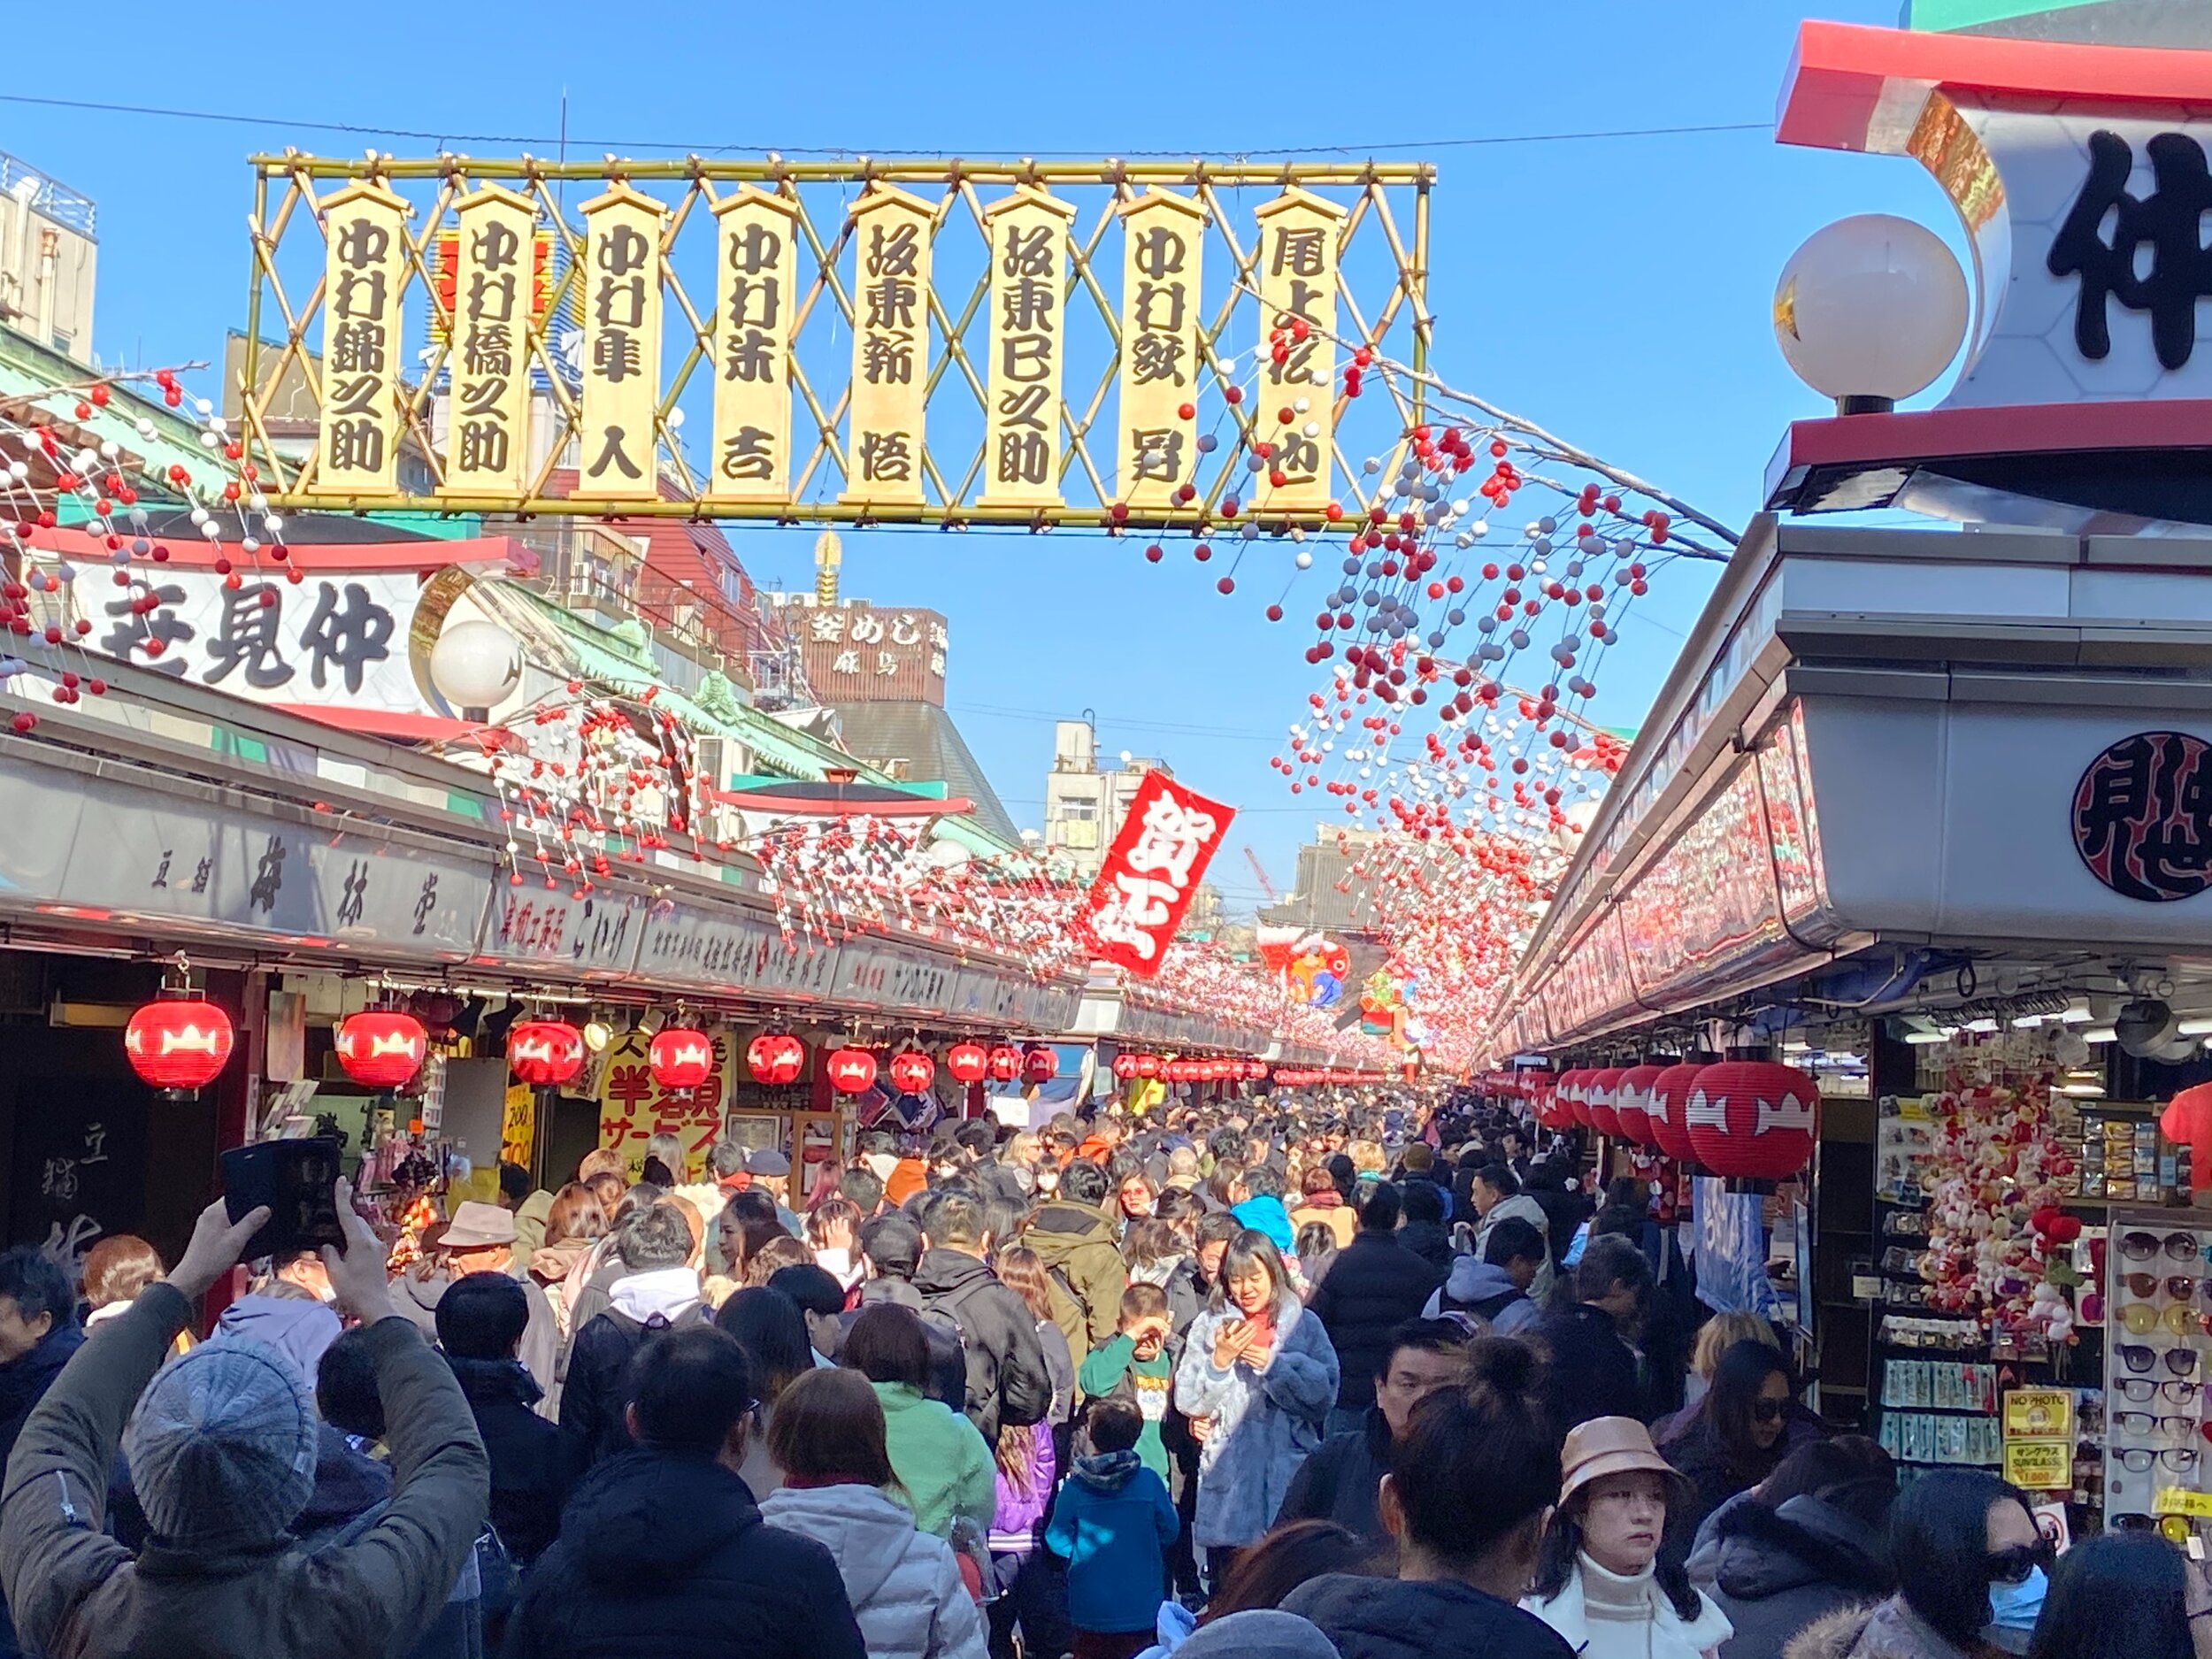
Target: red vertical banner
(1151, 873)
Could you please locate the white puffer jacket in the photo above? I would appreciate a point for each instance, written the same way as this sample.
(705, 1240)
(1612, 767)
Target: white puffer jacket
(904, 1585)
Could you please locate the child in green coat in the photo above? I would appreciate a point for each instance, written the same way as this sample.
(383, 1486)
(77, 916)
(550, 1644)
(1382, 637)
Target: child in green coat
(1136, 1366)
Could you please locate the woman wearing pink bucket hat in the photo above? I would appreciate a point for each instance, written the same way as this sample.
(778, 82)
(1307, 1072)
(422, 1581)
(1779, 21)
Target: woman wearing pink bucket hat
(1598, 1581)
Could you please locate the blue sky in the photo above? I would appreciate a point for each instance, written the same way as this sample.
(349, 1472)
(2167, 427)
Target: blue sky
(1615, 290)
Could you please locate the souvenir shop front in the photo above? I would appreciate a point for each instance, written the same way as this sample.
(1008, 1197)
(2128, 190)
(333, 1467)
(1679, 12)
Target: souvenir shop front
(1918, 836)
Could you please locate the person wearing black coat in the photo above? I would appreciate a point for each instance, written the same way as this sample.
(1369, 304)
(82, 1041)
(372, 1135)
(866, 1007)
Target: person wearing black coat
(662, 1550)
(1006, 1382)
(1424, 1234)
(1339, 1482)
(1593, 1372)
(481, 1319)
(1374, 1285)
(1781, 1570)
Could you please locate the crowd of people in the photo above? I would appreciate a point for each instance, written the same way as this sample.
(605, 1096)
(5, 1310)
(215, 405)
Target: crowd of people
(1357, 1378)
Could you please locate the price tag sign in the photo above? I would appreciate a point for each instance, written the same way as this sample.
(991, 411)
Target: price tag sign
(2041, 1466)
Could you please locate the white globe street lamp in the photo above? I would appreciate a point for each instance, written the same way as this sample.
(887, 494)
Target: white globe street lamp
(1870, 310)
(475, 666)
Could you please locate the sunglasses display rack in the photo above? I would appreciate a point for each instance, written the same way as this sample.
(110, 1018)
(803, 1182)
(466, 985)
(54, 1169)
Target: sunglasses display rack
(2156, 1431)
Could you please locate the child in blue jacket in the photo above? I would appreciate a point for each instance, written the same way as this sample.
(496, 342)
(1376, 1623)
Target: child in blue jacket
(1113, 1523)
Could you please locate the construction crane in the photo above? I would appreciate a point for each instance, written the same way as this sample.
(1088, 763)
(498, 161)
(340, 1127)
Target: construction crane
(1266, 887)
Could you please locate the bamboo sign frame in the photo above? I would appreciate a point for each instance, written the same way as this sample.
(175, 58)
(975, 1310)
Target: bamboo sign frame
(860, 342)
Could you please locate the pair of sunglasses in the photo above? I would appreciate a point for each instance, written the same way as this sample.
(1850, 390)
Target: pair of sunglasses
(2180, 1361)
(2142, 1246)
(2143, 1390)
(2013, 1565)
(2138, 1460)
(2180, 1286)
(2140, 1318)
(2144, 1422)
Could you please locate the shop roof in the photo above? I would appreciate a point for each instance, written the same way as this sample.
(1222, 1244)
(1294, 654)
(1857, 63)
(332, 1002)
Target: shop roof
(924, 736)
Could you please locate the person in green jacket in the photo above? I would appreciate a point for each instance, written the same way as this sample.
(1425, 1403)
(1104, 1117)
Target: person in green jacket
(948, 1472)
(221, 1446)
(1136, 1367)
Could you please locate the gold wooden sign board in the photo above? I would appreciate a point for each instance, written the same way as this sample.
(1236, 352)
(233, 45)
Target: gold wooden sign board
(947, 343)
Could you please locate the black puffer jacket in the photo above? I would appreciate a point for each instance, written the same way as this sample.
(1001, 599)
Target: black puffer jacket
(1782, 1569)
(1392, 1618)
(1374, 1285)
(532, 1464)
(1007, 1380)
(662, 1555)
(1339, 1482)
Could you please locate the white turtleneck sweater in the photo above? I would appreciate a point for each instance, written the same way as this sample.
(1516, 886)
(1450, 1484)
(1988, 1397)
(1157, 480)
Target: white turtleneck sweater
(1606, 1615)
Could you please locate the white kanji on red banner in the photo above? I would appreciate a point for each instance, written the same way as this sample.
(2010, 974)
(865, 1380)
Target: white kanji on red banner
(1151, 873)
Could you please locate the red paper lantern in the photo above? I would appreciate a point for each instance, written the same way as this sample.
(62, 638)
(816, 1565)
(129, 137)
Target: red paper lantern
(1569, 1091)
(1671, 1111)
(1256, 1070)
(1150, 1065)
(544, 1053)
(1754, 1120)
(1631, 1104)
(852, 1070)
(381, 1046)
(911, 1071)
(1005, 1062)
(1125, 1066)
(179, 1043)
(1597, 1094)
(680, 1057)
(967, 1062)
(775, 1057)
(1039, 1066)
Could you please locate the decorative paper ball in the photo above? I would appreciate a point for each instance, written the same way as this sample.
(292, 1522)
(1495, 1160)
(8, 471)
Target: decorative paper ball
(680, 1057)
(1754, 1119)
(544, 1053)
(967, 1062)
(1632, 1103)
(851, 1071)
(382, 1048)
(911, 1071)
(1597, 1094)
(1005, 1062)
(1671, 1111)
(775, 1057)
(179, 1042)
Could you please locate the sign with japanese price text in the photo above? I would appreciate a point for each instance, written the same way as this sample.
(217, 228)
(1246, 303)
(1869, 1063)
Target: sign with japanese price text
(1151, 873)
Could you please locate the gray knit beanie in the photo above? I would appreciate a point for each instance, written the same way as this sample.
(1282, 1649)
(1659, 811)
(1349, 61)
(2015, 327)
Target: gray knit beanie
(1261, 1632)
(222, 1447)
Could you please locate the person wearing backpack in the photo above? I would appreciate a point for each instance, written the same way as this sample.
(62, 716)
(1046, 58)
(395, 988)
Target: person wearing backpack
(1339, 1481)
(1075, 1239)
(658, 1290)
(1495, 1288)
(1008, 1384)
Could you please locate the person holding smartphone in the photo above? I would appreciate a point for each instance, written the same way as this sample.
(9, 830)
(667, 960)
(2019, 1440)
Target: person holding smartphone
(222, 1448)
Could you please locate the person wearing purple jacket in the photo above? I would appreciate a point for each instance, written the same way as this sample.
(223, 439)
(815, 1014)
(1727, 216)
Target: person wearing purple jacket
(1031, 1582)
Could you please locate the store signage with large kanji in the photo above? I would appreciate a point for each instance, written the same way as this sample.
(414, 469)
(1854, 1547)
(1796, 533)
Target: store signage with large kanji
(635, 1106)
(1151, 873)
(2142, 817)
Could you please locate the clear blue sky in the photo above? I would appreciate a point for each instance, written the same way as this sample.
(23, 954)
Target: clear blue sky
(1615, 290)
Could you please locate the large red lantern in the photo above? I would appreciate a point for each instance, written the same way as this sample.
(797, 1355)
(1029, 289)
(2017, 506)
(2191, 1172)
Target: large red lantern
(680, 1057)
(544, 1053)
(1151, 1065)
(1597, 1094)
(1005, 1062)
(1631, 1104)
(179, 1043)
(1670, 1110)
(1125, 1066)
(1754, 1120)
(911, 1071)
(967, 1062)
(851, 1071)
(1039, 1066)
(775, 1057)
(1569, 1091)
(381, 1046)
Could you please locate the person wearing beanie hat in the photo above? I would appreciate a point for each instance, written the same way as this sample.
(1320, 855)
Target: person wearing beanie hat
(1260, 1633)
(222, 1448)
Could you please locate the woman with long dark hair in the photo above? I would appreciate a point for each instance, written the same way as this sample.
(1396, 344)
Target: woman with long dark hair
(769, 1326)
(1601, 1582)
(1465, 1499)
(1261, 1372)
(1971, 1579)
(2121, 1596)
(905, 1584)
(1734, 1438)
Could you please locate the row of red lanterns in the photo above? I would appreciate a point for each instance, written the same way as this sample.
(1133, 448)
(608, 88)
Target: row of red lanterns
(182, 1042)
(1326, 1074)
(1745, 1119)
(1126, 1066)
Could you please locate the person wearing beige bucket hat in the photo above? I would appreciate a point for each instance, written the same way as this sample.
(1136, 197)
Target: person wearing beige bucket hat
(1600, 1581)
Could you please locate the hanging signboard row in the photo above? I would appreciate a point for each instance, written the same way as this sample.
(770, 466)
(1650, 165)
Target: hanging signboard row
(938, 342)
